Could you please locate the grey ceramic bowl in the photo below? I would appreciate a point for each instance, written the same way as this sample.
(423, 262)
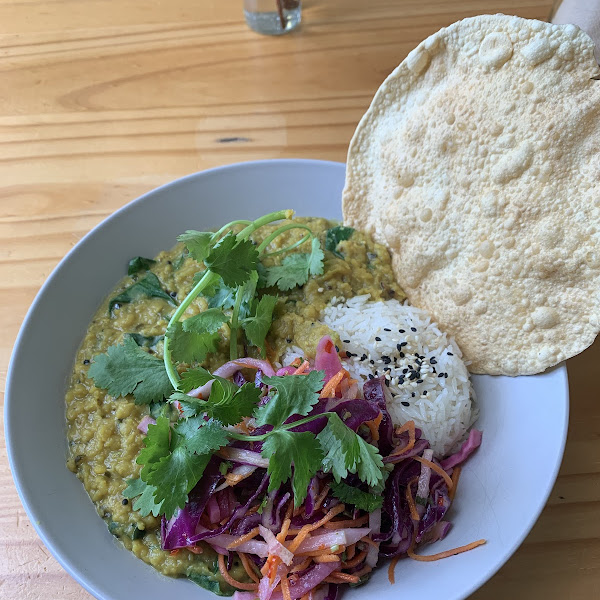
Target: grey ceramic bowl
(503, 487)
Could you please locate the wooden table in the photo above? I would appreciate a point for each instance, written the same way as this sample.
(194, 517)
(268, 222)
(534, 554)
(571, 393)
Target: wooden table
(101, 101)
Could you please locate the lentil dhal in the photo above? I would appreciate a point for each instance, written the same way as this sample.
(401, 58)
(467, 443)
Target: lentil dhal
(103, 434)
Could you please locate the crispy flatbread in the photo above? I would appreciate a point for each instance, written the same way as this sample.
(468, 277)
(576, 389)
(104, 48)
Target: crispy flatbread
(478, 165)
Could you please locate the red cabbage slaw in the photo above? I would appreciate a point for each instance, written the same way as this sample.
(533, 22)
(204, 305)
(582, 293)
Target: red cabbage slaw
(310, 551)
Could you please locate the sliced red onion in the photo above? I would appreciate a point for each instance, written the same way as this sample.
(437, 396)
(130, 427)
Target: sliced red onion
(236, 474)
(223, 540)
(469, 446)
(143, 424)
(336, 537)
(375, 525)
(245, 457)
(275, 547)
(326, 358)
(229, 368)
(309, 581)
(265, 587)
(213, 510)
(289, 370)
(244, 595)
(423, 484)
(202, 392)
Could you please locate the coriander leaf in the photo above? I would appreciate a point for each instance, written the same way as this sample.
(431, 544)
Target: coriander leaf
(194, 378)
(296, 395)
(189, 347)
(340, 448)
(233, 260)
(284, 449)
(200, 436)
(145, 504)
(351, 495)
(229, 404)
(148, 287)
(208, 321)
(211, 288)
(197, 243)
(139, 263)
(257, 326)
(334, 236)
(188, 405)
(146, 341)
(370, 463)
(315, 259)
(292, 272)
(220, 295)
(174, 476)
(157, 445)
(346, 452)
(126, 369)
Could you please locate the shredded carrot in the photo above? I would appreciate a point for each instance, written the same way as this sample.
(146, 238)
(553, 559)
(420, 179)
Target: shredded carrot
(251, 587)
(232, 480)
(243, 426)
(369, 541)
(305, 597)
(414, 513)
(321, 497)
(455, 478)
(337, 577)
(253, 509)
(349, 564)
(174, 552)
(249, 567)
(437, 469)
(244, 538)
(349, 523)
(391, 568)
(273, 569)
(444, 554)
(410, 427)
(302, 368)
(350, 552)
(285, 588)
(374, 426)
(336, 510)
(328, 390)
(287, 521)
(195, 549)
(296, 362)
(303, 565)
(363, 571)
(326, 558)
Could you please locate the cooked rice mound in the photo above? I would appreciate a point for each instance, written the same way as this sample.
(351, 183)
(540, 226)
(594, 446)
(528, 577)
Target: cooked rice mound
(428, 380)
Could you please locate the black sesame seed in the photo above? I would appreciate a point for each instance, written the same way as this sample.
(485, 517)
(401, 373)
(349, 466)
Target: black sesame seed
(450, 354)
(124, 502)
(363, 357)
(411, 367)
(403, 344)
(350, 355)
(405, 403)
(337, 348)
(401, 331)
(405, 370)
(173, 294)
(413, 329)
(440, 374)
(401, 355)
(393, 395)
(372, 361)
(386, 329)
(86, 362)
(387, 383)
(371, 376)
(288, 340)
(419, 381)
(400, 380)
(346, 341)
(377, 338)
(386, 359)
(425, 393)
(433, 361)
(413, 394)
(446, 375)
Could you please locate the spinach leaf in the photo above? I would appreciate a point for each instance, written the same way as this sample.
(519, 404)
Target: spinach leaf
(146, 341)
(139, 263)
(213, 585)
(148, 287)
(334, 236)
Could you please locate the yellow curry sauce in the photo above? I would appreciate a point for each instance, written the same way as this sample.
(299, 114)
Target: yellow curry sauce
(102, 432)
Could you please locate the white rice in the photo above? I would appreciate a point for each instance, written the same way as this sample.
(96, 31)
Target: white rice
(428, 380)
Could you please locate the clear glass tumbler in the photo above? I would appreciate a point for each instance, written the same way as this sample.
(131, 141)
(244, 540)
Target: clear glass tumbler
(272, 17)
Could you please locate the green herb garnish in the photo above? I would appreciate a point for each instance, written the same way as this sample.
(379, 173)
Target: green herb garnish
(148, 287)
(352, 495)
(139, 263)
(334, 236)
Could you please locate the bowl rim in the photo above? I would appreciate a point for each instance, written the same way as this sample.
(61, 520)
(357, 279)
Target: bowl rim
(25, 497)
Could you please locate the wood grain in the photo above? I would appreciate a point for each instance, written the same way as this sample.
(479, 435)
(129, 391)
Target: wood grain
(101, 101)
